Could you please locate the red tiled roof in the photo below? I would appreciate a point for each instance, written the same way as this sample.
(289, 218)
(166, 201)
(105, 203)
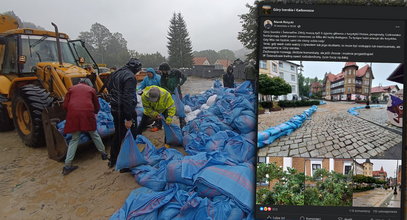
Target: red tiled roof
(350, 64)
(316, 84)
(379, 173)
(362, 71)
(224, 63)
(382, 89)
(200, 60)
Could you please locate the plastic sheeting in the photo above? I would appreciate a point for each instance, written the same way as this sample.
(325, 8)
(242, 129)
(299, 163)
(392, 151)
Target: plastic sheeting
(269, 135)
(173, 135)
(104, 122)
(215, 181)
(353, 111)
(322, 102)
(180, 108)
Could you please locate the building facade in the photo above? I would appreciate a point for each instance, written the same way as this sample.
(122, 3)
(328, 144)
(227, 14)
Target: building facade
(368, 168)
(352, 83)
(383, 92)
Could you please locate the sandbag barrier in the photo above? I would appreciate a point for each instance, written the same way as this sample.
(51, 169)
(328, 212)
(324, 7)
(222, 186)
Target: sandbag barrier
(269, 135)
(322, 102)
(353, 111)
(215, 181)
(104, 122)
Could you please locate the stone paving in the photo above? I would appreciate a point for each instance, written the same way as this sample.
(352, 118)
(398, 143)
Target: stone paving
(379, 116)
(372, 198)
(331, 132)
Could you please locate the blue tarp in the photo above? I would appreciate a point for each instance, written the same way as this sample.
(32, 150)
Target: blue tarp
(353, 111)
(322, 102)
(215, 181)
(269, 135)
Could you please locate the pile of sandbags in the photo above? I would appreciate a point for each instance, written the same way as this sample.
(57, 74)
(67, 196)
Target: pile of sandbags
(269, 135)
(215, 181)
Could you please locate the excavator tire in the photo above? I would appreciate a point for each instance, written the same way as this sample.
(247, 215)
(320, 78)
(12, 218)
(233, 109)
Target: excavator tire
(27, 106)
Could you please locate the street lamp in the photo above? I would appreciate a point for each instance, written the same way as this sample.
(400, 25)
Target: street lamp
(370, 86)
(395, 185)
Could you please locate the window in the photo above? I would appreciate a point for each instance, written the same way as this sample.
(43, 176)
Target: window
(293, 77)
(293, 89)
(281, 75)
(349, 80)
(263, 64)
(347, 169)
(262, 159)
(367, 75)
(349, 90)
(10, 58)
(315, 167)
(280, 64)
(274, 67)
(292, 67)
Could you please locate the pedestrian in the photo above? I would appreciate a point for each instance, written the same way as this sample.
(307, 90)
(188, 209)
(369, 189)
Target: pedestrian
(170, 80)
(152, 79)
(156, 102)
(81, 105)
(250, 73)
(122, 89)
(229, 78)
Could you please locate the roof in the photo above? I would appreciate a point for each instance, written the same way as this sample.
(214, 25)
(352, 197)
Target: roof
(316, 84)
(383, 89)
(380, 172)
(200, 60)
(223, 62)
(359, 73)
(29, 31)
(397, 75)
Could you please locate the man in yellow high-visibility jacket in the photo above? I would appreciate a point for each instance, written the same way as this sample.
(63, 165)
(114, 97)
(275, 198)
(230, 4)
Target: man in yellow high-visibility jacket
(156, 102)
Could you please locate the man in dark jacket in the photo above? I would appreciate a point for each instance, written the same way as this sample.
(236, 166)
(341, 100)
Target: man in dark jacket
(250, 73)
(122, 89)
(81, 105)
(170, 80)
(229, 78)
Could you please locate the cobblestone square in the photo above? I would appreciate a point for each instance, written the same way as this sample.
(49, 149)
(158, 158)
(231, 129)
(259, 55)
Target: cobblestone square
(332, 132)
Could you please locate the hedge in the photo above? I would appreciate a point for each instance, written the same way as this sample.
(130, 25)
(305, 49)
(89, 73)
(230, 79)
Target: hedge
(285, 103)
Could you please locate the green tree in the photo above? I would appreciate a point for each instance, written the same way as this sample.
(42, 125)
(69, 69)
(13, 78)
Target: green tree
(149, 59)
(328, 189)
(274, 86)
(179, 44)
(105, 47)
(288, 186)
(248, 35)
(226, 54)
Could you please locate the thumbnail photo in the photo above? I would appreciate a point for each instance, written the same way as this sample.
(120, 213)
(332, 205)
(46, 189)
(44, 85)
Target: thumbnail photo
(330, 109)
(280, 181)
(328, 182)
(377, 183)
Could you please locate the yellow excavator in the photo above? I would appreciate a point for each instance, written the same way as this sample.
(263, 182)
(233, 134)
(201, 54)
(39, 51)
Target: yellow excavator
(37, 68)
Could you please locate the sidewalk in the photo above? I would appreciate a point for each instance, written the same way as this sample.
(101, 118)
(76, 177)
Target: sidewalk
(395, 200)
(372, 198)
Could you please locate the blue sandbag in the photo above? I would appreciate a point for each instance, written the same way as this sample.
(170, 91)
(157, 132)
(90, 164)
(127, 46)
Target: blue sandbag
(236, 182)
(353, 111)
(149, 152)
(180, 108)
(269, 135)
(151, 177)
(129, 156)
(174, 173)
(142, 202)
(173, 134)
(245, 122)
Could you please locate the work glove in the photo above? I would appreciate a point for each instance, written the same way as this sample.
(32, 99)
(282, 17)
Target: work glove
(168, 120)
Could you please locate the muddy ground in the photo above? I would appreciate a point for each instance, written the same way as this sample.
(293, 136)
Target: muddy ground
(32, 186)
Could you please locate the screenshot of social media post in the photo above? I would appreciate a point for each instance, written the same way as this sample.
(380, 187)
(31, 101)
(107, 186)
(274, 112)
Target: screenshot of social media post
(330, 113)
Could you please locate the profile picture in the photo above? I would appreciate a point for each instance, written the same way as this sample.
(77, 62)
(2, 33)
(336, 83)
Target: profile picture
(266, 9)
(268, 24)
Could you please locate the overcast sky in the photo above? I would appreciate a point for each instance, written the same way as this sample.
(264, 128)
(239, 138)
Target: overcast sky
(388, 165)
(380, 70)
(212, 24)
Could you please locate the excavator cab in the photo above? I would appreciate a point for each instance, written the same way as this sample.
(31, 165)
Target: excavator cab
(37, 68)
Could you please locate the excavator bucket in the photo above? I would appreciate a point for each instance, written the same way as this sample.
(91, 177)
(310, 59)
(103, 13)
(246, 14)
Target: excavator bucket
(56, 144)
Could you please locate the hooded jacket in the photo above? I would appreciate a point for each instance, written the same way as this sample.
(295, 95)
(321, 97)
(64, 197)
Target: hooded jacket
(229, 78)
(122, 89)
(153, 109)
(147, 81)
(171, 81)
